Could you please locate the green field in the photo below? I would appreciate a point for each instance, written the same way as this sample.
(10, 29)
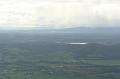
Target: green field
(103, 62)
(54, 71)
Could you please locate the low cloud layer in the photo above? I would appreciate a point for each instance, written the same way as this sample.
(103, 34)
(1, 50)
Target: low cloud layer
(59, 13)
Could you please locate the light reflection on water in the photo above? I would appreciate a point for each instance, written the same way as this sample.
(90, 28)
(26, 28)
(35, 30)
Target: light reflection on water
(78, 43)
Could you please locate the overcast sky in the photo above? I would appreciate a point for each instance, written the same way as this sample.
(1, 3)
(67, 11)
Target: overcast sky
(59, 13)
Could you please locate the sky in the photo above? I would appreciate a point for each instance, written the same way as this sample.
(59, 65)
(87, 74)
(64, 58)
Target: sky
(59, 13)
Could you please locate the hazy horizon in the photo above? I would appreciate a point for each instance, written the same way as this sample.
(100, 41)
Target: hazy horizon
(59, 13)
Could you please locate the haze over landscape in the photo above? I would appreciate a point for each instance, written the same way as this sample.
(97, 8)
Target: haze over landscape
(59, 39)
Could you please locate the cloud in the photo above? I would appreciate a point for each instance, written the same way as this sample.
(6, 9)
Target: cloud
(59, 13)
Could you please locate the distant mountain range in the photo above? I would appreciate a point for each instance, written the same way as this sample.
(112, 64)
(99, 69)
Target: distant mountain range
(66, 30)
(92, 30)
(81, 30)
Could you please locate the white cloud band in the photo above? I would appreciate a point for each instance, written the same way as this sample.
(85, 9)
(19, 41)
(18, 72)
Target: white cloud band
(59, 13)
